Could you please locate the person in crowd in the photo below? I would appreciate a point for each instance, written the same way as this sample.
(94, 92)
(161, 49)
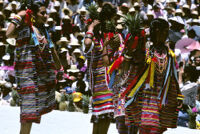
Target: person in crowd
(81, 64)
(35, 77)
(148, 92)
(97, 54)
(80, 85)
(67, 26)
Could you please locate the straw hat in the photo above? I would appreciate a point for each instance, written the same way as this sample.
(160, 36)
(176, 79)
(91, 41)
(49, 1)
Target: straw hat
(62, 50)
(63, 40)
(132, 9)
(171, 1)
(66, 17)
(77, 51)
(12, 16)
(194, 12)
(74, 43)
(56, 4)
(11, 41)
(68, 10)
(120, 13)
(77, 96)
(1, 14)
(2, 82)
(6, 57)
(79, 34)
(53, 10)
(125, 5)
(2, 44)
(8, 8)
(136, 4)
(50, 20)
(150, 13)
(73, 69)
(177, 19)
(58, 28)
(186, 6)
(82, 10)
(14, 3)
(119, 26)
(121, 20)
(179, 11)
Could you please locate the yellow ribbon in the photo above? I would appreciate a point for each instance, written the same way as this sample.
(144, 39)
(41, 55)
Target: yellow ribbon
(172, 53)
(152, 74)
(149, 60)
(110, 67)
(140, 82)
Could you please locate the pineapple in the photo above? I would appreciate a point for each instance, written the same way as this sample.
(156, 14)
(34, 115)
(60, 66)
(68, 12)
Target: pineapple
(12, 103)
(62, 104)
(85, 103)
(71, 107)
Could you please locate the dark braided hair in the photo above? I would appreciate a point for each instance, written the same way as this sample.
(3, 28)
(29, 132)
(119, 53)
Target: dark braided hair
(36, 6)
(107, 13)
(157, 23)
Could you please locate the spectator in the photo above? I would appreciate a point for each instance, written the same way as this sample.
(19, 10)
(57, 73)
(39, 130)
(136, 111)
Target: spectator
(80, 85)
(80, 18)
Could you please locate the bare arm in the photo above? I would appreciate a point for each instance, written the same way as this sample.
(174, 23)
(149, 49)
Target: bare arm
(89, 35)
(11, 31)
(56, 59)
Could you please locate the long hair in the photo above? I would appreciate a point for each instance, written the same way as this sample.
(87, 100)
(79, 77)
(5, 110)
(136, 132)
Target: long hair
(157, 23)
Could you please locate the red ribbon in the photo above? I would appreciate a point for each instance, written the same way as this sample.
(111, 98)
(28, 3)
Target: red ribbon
(28, 17)
(109, 35)
(135, 42)
(88, 21)
(116, 64)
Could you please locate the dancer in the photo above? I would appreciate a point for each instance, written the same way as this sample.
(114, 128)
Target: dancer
(152, 92)
(34, 65)
(96, 52)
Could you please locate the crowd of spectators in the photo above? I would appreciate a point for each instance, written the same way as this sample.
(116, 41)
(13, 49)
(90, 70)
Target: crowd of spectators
(67, 24)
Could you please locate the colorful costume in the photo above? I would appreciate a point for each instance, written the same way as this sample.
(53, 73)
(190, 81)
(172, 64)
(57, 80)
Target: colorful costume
(101, 94)
(151, 93)
(34, 68)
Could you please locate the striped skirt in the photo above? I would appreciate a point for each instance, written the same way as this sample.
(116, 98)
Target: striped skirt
(35, 78)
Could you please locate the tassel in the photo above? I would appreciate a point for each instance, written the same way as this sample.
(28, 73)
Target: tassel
(151, 83)
(140, 82)
(28, 18)
(127, 38)
(172, 53)
(112, 79)
(116, 64)
(105, 35)
(110, 35)
(135, 42)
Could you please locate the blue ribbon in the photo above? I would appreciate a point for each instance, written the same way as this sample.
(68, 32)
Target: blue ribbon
(112, 79)
(166, 77)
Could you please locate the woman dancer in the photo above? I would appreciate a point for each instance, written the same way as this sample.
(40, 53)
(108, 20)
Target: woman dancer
(97, 60)
(34, 65)
(152, 92)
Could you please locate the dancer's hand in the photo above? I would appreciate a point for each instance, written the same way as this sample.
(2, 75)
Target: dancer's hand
(93, 24)
(22, 13)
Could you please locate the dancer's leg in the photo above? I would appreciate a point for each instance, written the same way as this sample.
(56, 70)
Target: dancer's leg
(25, 128)
(132, 129)
(95, 128)
(121, 127)
(104, 126)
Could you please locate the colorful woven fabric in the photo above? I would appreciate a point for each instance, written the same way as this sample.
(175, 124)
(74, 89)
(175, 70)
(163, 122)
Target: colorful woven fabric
(147, 111)
(102, 96)
(34, 69)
